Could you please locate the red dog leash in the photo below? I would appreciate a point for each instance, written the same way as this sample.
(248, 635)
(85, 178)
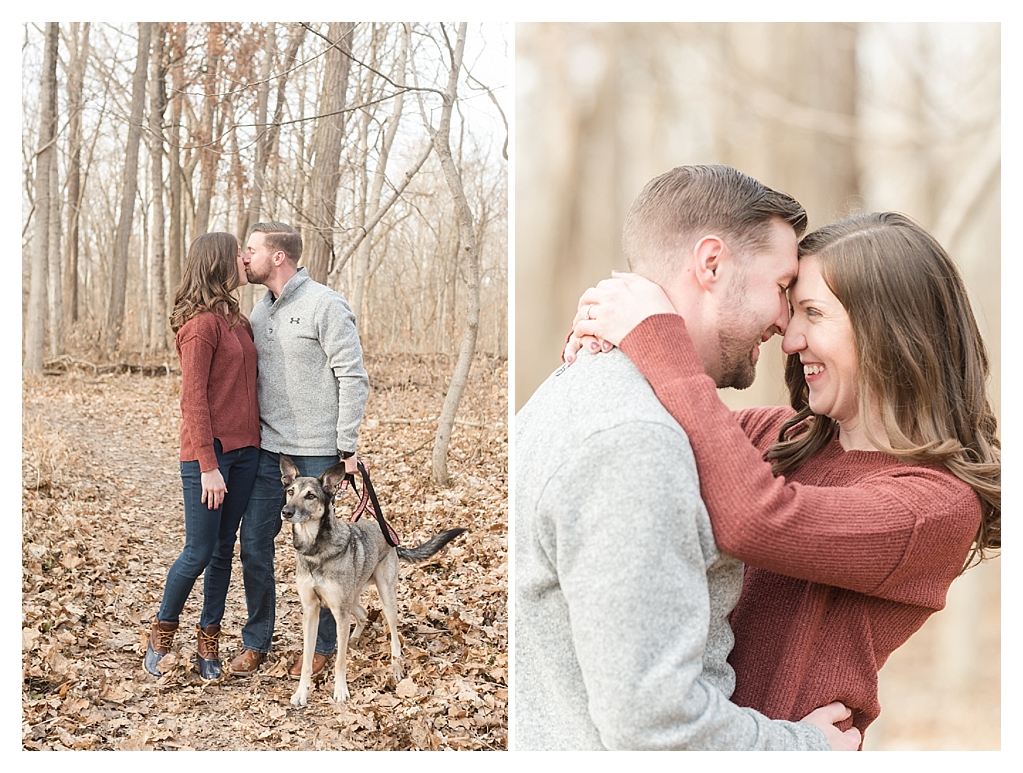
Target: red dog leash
(368, 501)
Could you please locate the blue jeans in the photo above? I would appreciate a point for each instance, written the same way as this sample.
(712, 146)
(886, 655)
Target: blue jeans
(260, 525)
(209, 535)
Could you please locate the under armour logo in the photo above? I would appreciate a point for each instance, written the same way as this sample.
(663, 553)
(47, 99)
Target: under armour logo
(295, 321)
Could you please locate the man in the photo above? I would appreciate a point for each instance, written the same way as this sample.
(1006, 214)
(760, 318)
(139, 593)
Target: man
(622, 597)
(312, 389)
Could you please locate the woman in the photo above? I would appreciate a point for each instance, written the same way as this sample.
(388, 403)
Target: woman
(219, 441)
(857, 509)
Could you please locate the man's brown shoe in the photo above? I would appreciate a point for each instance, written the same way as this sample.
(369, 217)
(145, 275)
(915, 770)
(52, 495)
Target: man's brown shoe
(319, 664)
(246, 662)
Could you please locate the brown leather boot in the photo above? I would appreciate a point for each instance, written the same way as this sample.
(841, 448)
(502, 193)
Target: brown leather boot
(319, 664)
(161, 637)
(207, 652)
(246, 662)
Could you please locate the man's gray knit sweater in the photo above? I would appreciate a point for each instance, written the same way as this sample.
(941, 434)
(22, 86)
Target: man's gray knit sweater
(311, 384)
(621, 595)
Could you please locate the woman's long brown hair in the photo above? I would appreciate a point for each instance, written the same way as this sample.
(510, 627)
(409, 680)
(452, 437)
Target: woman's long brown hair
(208, 280)
(922, 359)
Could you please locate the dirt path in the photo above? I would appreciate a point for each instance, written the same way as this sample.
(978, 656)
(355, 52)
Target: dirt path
(102, 522)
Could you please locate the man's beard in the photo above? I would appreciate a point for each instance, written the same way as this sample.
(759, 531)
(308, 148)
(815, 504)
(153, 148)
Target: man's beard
(737, 368)
(736, 341)
(256, 278)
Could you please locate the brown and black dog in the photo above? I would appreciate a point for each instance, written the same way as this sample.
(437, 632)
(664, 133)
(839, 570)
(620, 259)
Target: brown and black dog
(334, 561)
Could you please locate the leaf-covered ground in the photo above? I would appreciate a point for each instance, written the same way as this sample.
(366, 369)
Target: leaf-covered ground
(102, 522)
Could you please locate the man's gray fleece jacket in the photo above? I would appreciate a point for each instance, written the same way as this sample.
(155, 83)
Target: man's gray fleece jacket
(621, 594)
(311, 383)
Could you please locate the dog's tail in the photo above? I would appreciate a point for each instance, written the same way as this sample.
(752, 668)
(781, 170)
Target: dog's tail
(428, 548)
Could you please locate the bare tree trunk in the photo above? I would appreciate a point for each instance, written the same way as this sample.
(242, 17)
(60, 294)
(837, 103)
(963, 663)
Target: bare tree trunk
(470, 251)
(209, 153)
(158, 280)
(78, 46)
(54, 296)
(295, 38)
(262, 134)
(119, 270)
(318, 242)
(189, 200)
(35, 324)
(362, 260)
(360, 206)
(250, 215)
(175, 246)
(300, 182)
(145, 291)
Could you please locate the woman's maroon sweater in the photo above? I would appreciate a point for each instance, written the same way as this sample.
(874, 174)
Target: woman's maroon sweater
(218, 388)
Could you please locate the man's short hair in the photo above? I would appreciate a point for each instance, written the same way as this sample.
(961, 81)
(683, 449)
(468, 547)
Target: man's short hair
(280, 237)
(689, 202)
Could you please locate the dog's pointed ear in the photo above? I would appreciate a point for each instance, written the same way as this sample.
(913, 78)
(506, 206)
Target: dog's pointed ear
(288, 470)
(331, 479)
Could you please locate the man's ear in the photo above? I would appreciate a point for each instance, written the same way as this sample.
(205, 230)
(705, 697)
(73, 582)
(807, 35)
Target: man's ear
(708, 257)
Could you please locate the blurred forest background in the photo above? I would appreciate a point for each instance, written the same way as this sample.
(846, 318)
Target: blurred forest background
(136, 138)
(845, 117)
